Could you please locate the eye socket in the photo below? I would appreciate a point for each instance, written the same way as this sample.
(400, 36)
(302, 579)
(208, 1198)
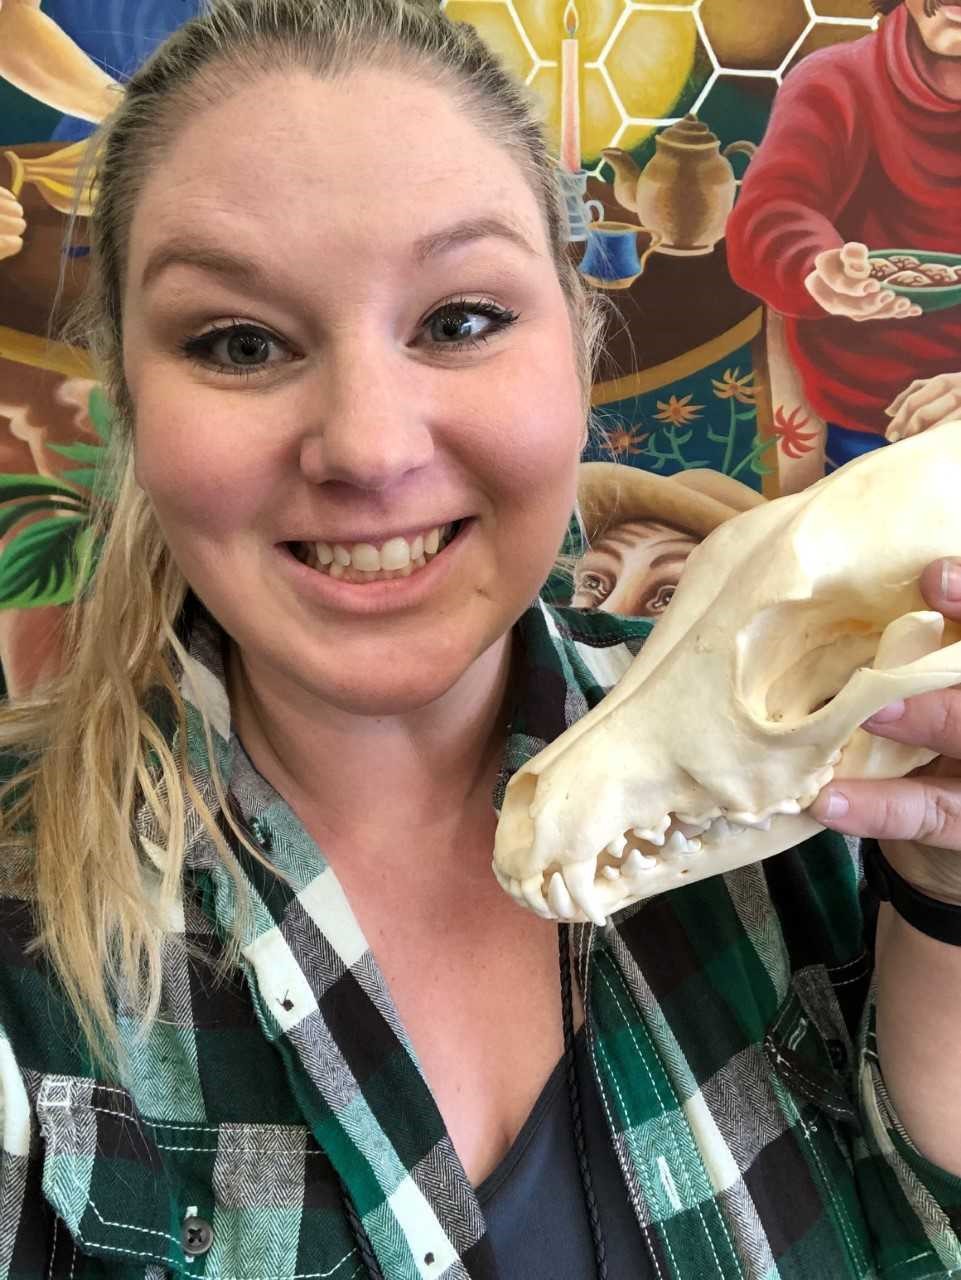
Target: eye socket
(452, 327)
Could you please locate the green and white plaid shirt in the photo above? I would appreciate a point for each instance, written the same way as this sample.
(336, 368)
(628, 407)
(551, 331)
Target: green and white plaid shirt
(729, 1023)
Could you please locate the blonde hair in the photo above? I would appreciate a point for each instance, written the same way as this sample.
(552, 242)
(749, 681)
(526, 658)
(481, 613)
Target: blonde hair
(91, 745)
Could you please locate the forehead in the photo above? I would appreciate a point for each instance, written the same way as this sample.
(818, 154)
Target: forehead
(374, 157)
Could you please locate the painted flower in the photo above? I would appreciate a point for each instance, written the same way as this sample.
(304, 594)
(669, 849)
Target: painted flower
(735, 387)
(624, 441)
(788, 427)
(678, 412)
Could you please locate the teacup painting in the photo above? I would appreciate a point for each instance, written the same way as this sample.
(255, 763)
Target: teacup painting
(611, 260)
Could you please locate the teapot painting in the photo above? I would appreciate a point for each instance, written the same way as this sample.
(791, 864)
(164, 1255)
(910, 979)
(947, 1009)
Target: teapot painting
(685, 191)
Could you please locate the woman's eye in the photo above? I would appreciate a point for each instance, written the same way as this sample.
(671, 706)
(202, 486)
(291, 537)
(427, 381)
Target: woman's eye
(465, 324)
(235, 349)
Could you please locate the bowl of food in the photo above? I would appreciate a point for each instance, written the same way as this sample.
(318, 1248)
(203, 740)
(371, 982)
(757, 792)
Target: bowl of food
(931, 280)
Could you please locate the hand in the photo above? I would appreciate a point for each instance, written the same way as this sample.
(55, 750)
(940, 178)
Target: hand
(842, 283)
(927, 402)
(916, 819)
(12, 224)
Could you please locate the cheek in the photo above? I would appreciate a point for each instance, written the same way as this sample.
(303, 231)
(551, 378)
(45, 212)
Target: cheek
(196, 477)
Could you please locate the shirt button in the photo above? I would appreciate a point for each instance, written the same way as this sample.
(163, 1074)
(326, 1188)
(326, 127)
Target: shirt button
(196, 1236)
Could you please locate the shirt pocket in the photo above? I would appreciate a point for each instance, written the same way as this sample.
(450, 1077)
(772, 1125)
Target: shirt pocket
(138, 1194)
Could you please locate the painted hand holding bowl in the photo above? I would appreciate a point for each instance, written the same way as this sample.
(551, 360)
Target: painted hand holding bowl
(792, 624)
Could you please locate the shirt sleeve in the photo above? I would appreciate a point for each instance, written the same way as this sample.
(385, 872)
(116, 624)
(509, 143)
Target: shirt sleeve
(811, 159)
(913, 1207)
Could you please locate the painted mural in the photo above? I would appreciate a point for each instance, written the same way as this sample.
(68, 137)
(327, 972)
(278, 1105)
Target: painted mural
(766, 192)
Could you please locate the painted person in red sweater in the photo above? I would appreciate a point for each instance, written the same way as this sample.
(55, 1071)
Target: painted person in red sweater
(862, 151)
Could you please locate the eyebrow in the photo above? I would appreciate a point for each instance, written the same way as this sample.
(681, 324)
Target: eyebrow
(231, 266)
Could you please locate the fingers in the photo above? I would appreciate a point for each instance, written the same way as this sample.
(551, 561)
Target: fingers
(859, 301)
(846, 271)
(925, 404)
(854, 259)
(922, 809)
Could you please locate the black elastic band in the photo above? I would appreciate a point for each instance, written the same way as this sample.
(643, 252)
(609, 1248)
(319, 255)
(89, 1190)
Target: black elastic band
(940, 920)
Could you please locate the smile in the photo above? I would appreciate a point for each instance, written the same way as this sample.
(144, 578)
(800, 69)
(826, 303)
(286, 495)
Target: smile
(363, 562)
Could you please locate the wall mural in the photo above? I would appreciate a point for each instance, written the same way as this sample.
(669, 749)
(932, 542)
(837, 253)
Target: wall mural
(766, 192)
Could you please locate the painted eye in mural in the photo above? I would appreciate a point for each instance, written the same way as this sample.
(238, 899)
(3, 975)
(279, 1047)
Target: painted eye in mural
(234, 349)
(662, 598)
(464, 323)
(596, 586)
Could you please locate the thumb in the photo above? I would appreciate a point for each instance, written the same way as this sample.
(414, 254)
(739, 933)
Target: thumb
(941, 586)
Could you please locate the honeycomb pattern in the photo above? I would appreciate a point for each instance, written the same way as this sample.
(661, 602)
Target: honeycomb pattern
(644, 66)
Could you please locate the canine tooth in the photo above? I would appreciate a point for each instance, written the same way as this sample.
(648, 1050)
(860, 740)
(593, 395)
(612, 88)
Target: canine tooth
(637, 862)
(341, 555)
(559, 900)
(325, 552)
(419, 562)
(432, 542)
(336, 570)
(616, 847)
(611, 873)
(582, 886)
(417, 547)
(533, 891)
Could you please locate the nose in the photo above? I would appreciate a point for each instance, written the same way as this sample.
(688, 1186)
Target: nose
(369, 423)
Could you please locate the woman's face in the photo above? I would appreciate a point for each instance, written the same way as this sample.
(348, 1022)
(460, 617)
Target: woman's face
(633, 569)
(343, 329)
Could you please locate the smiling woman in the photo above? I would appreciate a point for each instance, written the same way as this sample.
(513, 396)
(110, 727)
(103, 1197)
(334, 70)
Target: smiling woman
(262, 1000)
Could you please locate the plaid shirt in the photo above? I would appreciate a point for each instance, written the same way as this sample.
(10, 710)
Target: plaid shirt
(730, 1026)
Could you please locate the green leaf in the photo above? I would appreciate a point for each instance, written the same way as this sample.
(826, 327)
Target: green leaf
(14, 486)
(79, 452)
(38, 566)
(100, 413)
(746, 415)
(19, 510)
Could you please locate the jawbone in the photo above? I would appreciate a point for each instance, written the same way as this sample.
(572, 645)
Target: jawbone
(792, 623)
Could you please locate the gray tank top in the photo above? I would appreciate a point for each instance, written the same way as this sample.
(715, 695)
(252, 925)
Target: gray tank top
(534, 1203)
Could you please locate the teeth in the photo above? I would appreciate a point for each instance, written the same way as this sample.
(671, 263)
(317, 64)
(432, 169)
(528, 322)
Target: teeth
(532, 891)
(637, 862)
(616, 847)
(611, 873)
(653, 835)
(395, 554)
(680, 844)
(581, 885)
(559, 900)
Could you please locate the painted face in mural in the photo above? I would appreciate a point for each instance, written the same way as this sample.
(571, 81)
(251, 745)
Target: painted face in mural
(633, 569)
(386, 353)
(939, 25)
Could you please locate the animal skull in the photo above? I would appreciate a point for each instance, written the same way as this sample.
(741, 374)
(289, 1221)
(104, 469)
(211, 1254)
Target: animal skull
(792, 623)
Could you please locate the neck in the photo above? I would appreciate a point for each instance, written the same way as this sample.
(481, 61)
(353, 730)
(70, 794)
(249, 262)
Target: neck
(368, 784)
(939, 71)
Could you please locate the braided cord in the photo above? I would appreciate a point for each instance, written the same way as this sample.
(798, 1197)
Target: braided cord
(361, 1239)
(567, 1009)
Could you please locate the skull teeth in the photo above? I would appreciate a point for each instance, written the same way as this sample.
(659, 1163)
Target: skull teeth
(572, 892)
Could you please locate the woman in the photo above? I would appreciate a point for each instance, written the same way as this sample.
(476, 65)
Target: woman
(325, 360)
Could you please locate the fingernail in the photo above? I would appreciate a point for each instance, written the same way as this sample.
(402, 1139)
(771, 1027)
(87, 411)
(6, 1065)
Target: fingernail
(893, 711)
(951, 579)
(836, 805)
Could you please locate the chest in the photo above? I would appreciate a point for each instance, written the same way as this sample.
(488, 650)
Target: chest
(478, 992)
